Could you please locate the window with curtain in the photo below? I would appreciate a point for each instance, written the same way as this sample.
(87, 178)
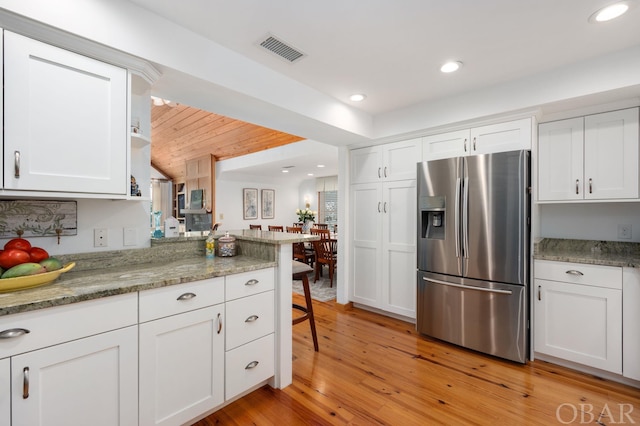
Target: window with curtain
(328, 208)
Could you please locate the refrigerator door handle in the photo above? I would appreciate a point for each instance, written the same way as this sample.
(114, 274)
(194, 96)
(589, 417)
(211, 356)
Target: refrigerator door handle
(457, 217)
(465, 219)
(468, 287)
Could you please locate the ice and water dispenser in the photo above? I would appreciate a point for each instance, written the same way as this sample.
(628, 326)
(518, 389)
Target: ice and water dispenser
(432, 217)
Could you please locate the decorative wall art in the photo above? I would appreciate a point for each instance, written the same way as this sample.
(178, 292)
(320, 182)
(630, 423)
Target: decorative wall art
(268, 203)
(38, 218)
(250, 203)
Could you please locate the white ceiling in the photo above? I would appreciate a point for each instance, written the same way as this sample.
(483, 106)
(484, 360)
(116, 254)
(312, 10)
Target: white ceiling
(392, 50)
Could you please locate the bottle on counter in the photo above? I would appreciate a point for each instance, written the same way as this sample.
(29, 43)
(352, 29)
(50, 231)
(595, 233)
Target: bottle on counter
(210, 246)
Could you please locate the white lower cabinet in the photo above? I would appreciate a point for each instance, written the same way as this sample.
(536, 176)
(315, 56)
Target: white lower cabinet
(631, 323)
(71, 365)
(181, 351)
(182, 366)
(250, 326)
(578, 313)
(87, 381)
(5, 392)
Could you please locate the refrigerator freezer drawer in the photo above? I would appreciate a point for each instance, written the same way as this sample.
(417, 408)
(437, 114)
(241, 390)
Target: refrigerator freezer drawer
(487, 317)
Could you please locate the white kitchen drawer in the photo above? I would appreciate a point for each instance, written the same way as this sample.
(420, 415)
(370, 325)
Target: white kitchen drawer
(59, 324)
(249, 318)
(176, 299)
(248, 283)
(579, 273)
(249, 365)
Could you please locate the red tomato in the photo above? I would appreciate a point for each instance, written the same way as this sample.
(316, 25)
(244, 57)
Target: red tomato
(12, 257)
(18, 243)
(38, 254)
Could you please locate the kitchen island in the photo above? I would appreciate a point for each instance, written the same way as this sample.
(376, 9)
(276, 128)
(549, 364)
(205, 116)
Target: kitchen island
(130, 303)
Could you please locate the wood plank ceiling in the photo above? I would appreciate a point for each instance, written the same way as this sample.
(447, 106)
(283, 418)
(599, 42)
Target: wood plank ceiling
(180, 132)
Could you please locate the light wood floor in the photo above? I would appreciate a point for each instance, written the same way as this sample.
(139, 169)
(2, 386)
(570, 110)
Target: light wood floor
(374, 370)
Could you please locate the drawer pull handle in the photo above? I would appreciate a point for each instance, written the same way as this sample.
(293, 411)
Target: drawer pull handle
(252, 318)
(252, 364)
(16, 164)
(186, 296)
(219, 323)
(252, 282)
(25, 383)
(13, 332)
(574, 272)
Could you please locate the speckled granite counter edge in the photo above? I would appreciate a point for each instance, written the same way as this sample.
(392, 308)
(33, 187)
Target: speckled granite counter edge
(606, 253)
(108, 273)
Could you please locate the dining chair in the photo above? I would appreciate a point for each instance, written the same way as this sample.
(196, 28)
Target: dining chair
(321, 226)
(326, 254)
(255, 227)
(276, 228)
(300, 251)
(324, 234)
(298, 224)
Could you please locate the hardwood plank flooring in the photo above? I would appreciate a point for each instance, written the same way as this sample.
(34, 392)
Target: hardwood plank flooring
(375, 370)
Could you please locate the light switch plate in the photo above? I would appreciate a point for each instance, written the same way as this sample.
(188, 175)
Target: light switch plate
(130, 236)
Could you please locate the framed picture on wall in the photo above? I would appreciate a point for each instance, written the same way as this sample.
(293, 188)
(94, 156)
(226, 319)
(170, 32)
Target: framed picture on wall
(268, 203)
(249, 203)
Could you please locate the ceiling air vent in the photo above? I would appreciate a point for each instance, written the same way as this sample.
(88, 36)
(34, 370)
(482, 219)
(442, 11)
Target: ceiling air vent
(281, 49)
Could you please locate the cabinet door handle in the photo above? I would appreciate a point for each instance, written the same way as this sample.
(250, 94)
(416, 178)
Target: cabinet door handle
(385, 171)
(474, 143)
(13, 332)
(465, 144)
(590, 186)
(252, 364)
(379, 174)
(25, 383)
(574, 272)
(252, 318)
(385, 207)
(16, 164)
(577, 184)
(379, 207)
(219, 323)
(252, 282)
(539, 292)
(186, 296)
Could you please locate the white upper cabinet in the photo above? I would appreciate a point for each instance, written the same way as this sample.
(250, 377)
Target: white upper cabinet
(390, 162)
(501, 137)
(65, 120)
(589, 158)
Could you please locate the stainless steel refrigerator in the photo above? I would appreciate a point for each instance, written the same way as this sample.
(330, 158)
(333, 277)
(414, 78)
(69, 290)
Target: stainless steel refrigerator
(473, 252)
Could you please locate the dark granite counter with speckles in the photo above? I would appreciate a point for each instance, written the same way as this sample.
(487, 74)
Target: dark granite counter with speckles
(168, 261)
(608, 253)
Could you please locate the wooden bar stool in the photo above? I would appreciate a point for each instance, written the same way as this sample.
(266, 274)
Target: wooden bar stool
(300, 271)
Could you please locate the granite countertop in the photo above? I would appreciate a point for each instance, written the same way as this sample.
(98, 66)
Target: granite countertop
(255, 235)
(608, 253)
(76, 286)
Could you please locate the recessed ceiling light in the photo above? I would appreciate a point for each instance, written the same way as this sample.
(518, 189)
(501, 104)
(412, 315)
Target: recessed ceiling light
(320, 166)
(309, 174)
(358, 97)
(610, 12)
(451, 66)
(285, 171)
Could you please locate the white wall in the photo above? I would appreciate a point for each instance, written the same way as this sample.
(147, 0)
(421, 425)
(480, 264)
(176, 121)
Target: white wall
(589, 221)
(229, 204)
(114, 215)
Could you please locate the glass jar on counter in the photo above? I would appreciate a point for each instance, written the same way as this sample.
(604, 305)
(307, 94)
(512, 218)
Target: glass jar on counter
(226, 246)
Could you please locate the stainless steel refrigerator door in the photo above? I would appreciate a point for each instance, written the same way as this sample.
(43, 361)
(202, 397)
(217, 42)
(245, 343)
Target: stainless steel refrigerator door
(487, 317)
(495, 217)
(440, 180)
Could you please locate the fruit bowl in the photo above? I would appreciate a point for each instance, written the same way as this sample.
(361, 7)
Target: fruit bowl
(28, 281)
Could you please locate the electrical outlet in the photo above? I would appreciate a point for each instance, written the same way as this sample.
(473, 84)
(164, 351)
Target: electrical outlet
(624, 232)
(100, 237)
(130, 236)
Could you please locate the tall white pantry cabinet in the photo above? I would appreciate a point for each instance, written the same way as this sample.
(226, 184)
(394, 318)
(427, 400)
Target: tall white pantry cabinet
(383, 226)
